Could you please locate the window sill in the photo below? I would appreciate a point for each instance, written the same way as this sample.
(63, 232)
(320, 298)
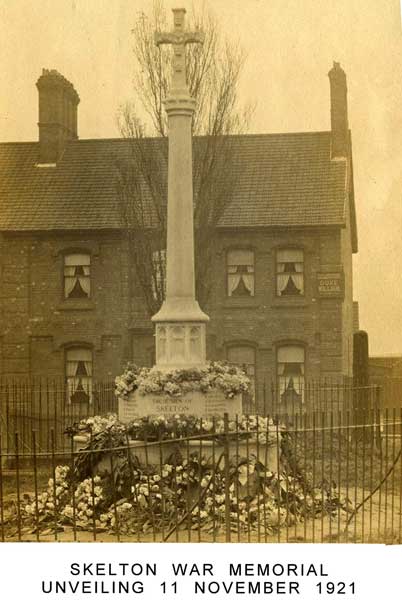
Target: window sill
(76, 304)
(282, 302)
(246, 302)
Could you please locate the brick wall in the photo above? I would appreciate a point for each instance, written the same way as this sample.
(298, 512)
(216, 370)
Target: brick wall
(38, 324)
(348, 320)
(267, 321)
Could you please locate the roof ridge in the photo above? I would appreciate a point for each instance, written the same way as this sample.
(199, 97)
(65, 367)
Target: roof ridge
(231, 135)
(17, 143)
(198, 137)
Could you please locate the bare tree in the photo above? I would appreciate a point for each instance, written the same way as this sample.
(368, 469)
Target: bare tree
(213, 72)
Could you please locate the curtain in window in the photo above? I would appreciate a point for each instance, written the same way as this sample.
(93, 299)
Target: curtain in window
(290, 369)
(290, 278)
(240, 270)
(79, 374)
(244, 356)
(77, 282)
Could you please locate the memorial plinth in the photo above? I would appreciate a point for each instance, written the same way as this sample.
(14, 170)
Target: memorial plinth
(195, 403)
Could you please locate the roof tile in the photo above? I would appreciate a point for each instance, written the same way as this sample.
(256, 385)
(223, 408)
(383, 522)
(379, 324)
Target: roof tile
(281, 180)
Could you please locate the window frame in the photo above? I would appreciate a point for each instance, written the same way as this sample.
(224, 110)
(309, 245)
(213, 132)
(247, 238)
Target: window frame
(250, 346)
(277, 272)
(67, 377)
(76, 252)
(227, 254)
(84, 249)
(281, 346)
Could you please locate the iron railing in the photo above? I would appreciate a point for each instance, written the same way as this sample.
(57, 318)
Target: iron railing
(43, 404)
(304, 477)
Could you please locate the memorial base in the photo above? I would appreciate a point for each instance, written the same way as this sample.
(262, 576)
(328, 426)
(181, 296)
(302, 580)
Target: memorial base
(196, 404)
(157, 453)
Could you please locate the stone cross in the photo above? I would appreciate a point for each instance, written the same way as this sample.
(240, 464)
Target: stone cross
(179, 38)
(180, 323)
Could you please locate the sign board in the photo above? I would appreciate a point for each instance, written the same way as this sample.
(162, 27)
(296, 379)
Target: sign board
(198, 404)
(330, 284)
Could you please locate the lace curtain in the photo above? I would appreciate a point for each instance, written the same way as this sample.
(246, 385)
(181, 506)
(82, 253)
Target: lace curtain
(79, 374)
(77, 275)
(290, 369)
(244, 356)
(290, 276)
(240, 272)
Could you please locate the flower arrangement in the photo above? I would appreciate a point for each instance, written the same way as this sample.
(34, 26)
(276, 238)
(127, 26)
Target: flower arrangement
(192, 490)
(98, 423)
(55, 494)
(180, 426)
(185, 489)
(230, 379)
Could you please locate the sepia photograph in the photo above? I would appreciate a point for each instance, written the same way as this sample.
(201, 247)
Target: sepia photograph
(200, 280)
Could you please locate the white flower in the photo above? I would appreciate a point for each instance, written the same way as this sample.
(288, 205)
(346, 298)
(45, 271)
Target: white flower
(68, 511)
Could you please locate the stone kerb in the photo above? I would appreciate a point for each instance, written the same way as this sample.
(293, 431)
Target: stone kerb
(157, 453)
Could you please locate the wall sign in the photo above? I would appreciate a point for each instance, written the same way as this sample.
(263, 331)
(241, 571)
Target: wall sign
(330, 284)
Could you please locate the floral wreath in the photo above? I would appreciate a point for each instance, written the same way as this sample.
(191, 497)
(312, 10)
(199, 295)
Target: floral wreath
(230, 379)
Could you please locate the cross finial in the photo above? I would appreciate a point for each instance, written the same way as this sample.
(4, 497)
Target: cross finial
(179, 38)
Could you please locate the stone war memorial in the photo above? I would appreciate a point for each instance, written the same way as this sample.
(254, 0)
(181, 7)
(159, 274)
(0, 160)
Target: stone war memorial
(181, 452)
(180, 323)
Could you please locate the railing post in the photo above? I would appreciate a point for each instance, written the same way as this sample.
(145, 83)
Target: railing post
(1, 490)
(226, 458)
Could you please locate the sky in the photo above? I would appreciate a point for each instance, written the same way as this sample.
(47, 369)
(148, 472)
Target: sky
(290, 47)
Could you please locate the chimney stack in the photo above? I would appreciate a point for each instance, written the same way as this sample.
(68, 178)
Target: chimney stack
(339, 112)
(58, 103)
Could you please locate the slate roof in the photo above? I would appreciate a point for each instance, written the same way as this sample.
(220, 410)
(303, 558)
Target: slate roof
(281, 180)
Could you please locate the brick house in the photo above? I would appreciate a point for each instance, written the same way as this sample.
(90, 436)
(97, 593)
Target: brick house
(282, 300)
